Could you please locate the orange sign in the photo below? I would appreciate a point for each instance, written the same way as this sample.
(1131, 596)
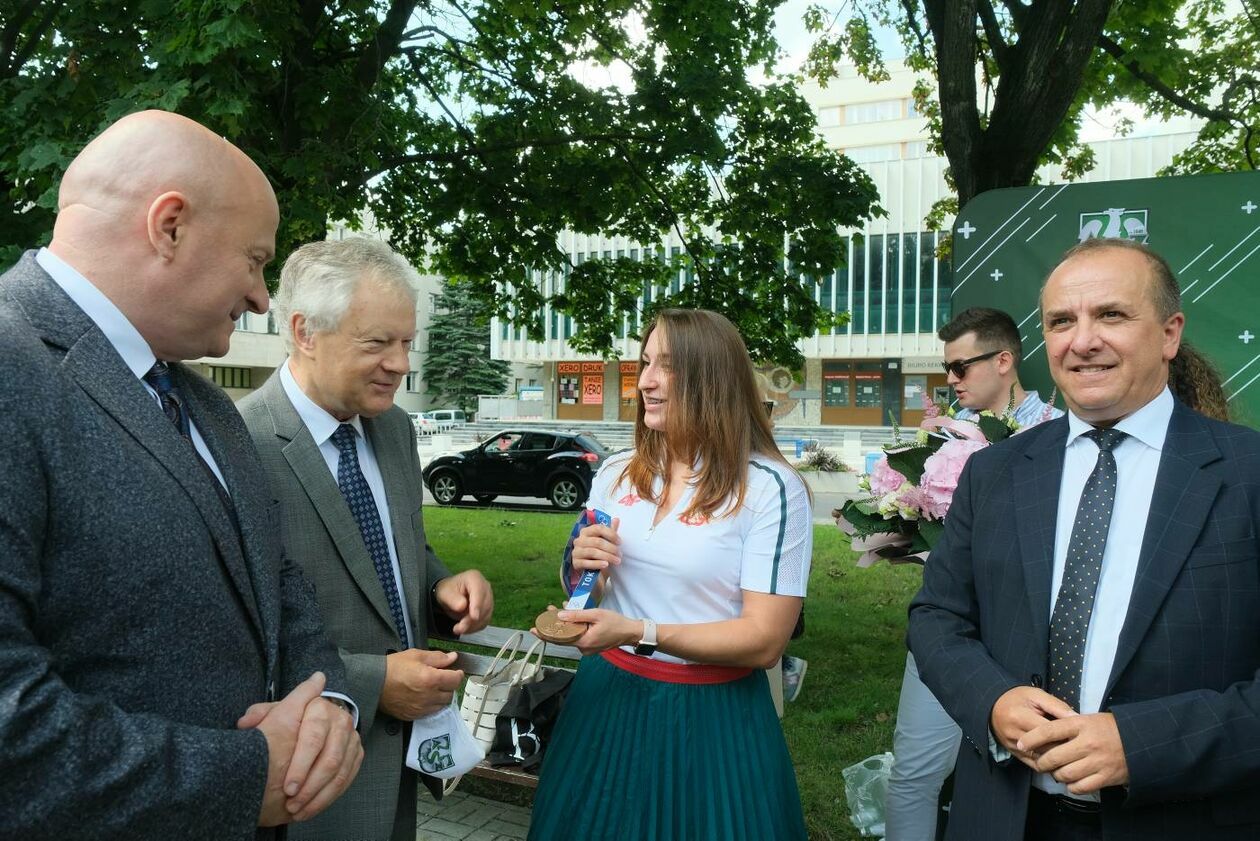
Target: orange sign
(592, 367)
(592, 390)
(569, 367)
(629, 387)
(629, 367)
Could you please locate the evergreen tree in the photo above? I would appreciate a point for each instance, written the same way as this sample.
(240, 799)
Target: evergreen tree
(458, 366)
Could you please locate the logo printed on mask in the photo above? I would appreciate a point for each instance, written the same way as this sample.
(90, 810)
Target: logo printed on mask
(435, 754)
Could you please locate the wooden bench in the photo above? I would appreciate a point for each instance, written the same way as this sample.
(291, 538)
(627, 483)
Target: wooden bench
(473, 663)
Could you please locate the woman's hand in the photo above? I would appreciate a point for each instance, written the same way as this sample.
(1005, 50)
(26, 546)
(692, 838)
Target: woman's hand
(597, 547)
(605, 629)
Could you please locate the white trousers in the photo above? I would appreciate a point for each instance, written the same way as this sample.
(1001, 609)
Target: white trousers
(925, 746)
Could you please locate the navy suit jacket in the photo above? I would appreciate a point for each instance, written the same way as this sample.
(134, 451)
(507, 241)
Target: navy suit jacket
(1184, 687)
(136, 623)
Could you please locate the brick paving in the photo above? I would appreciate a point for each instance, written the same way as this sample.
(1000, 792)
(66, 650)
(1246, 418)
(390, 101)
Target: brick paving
(464, 817)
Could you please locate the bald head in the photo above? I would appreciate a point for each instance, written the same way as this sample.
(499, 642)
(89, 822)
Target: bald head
(174, 224)
(145, 155)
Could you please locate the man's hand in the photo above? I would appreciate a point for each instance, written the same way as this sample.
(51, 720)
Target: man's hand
(467, 598)
(312, 752)
(1082, 751)
(1021, 710)
(418, 683)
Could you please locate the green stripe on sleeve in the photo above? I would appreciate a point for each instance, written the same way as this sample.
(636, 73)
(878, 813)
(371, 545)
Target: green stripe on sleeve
(778, 546)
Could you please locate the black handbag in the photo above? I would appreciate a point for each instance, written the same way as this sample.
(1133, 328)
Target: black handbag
(523, 727)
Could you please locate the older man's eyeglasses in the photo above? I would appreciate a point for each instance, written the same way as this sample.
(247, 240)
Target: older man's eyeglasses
(959, 366)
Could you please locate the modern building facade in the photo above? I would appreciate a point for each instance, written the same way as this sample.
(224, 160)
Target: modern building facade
(880, 366)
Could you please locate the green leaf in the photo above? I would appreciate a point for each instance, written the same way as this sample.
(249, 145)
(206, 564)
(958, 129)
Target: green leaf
(909, 462)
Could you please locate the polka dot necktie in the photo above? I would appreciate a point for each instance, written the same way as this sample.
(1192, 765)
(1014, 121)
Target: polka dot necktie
(363, 506)
(1070, 623)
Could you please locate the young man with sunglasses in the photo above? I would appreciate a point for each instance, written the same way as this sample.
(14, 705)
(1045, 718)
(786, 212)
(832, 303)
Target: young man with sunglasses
(982, 356)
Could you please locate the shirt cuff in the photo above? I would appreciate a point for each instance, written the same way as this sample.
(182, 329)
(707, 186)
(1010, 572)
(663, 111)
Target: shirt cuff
(351, 706)
(1000, 754)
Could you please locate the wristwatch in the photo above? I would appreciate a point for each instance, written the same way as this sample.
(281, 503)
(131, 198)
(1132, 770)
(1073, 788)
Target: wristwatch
(646, 647)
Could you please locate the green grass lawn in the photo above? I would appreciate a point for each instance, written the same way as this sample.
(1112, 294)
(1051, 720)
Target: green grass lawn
(854, 639)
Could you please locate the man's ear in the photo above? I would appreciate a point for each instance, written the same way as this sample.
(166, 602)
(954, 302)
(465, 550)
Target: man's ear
(167, 217)
(303, 337)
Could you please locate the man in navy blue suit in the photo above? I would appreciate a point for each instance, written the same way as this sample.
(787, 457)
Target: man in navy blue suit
(1091, 617)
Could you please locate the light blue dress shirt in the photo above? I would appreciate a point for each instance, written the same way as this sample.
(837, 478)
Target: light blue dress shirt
(1137, 465)
(121, 333)
(322, 425)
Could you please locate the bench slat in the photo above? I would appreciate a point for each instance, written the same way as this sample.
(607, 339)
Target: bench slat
(506, 774)
(494, 637)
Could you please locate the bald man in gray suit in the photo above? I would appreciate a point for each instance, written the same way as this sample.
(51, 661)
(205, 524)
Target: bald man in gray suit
(159, 656)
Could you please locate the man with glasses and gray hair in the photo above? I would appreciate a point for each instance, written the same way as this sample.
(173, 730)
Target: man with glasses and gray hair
(342, 461)
(982, 356)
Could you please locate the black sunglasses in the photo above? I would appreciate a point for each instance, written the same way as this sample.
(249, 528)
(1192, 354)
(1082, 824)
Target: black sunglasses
(959, 366)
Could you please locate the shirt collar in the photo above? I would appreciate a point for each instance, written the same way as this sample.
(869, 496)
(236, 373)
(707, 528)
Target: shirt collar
(1148, 424)
(317, 420)
(121, 333)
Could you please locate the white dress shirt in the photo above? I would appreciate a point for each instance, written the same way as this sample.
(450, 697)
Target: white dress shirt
(322, 425)
(121, 333)
(1137, 464)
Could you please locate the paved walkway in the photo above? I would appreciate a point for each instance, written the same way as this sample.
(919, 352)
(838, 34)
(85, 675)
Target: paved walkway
(463, 817)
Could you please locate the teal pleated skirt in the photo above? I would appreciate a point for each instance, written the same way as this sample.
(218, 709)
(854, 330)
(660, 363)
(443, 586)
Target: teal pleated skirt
(643, 760)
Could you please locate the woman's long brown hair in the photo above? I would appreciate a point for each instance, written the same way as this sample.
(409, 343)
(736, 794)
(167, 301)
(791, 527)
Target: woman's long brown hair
(715, 418)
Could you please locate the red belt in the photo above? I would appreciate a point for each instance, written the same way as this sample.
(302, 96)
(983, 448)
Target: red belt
(666, 672)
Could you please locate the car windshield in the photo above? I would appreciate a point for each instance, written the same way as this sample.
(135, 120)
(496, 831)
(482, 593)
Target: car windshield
(591, 444)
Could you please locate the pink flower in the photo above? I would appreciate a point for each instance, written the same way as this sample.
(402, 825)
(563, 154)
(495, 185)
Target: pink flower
(930, 409)
(941, 472)
(885, 480)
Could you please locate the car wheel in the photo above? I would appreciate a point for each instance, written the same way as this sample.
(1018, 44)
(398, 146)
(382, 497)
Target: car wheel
(566, 493)
(485, 499)
(446, 488)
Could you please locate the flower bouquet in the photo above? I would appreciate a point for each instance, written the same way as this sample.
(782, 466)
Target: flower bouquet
(913, 483)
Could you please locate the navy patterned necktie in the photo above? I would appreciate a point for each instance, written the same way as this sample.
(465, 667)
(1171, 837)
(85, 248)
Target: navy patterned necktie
(159, 379)
(363, 506)
(1070, 624)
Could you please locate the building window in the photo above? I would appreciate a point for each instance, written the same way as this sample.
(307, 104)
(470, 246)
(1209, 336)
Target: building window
(225, 377)
(828, 117)
(873, 112)
(272, 327)
(242, 321)
(433, 302)
(413, 381)
(917, 149)
(873, 154)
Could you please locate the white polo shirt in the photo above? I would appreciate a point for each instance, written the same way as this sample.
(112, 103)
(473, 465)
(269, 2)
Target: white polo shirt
(689, 571)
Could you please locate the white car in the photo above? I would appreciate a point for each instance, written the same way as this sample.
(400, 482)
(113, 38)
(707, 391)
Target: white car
(446, 419)
(423, 425)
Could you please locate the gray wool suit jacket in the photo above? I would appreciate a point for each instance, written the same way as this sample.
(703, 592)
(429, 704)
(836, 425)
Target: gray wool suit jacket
(317, 526)
(136, 623)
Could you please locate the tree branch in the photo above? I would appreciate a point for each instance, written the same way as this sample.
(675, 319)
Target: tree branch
(477, 151)
(1153, 82)
(993, 31)
(14, 64)
(384, 43)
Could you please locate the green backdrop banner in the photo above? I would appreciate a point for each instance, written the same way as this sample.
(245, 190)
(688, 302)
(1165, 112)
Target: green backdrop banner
(1206, 226)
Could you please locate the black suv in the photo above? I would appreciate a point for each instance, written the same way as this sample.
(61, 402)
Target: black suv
(557, 466)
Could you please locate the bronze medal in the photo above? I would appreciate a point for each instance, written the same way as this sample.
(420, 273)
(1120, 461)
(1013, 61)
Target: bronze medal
(556, 630)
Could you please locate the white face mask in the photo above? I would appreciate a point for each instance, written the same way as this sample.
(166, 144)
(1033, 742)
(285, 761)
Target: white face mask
(442, 746)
